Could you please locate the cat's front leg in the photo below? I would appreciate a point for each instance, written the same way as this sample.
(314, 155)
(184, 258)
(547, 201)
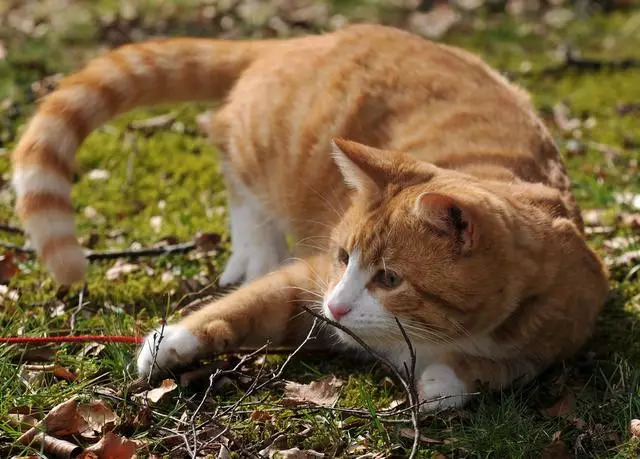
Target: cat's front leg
(266, 309)
(452, 382)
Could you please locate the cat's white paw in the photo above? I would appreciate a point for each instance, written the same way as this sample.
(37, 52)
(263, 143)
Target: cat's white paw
(177, 347)
(441, 388)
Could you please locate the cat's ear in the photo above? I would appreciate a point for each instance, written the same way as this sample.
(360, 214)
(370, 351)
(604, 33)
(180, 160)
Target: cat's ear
(363, 167)
(450, 217)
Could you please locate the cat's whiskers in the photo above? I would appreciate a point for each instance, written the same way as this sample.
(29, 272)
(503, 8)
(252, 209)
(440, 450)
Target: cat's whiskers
(326, 201)
(302, 289)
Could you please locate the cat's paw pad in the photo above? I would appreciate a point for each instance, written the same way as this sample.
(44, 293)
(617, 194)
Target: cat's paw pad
(440, 389)
(167, 348)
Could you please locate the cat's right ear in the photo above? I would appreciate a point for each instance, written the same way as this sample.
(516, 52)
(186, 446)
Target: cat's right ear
(358, 165)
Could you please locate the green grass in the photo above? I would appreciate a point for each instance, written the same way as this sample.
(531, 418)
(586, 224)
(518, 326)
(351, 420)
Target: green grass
(174, 174)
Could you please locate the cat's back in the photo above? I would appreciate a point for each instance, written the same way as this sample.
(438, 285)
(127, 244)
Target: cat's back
(383, 87)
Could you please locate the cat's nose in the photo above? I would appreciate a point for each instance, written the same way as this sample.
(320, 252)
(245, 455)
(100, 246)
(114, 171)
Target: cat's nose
(338, 310)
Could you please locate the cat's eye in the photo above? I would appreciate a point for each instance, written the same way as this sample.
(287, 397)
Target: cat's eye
(387, 278)
(343, 257)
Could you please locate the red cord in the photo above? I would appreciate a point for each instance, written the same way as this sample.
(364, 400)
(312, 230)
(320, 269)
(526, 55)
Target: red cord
(71, 339)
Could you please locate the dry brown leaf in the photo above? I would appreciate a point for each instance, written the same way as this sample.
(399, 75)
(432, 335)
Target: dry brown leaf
(563, 406)
(557, 449)
(58, 371)
(112, 446)
(63, 420)
(260, 416)
(634, 427)
(54, 446)
(323, 392)
(154, 395)
(98, 416)
(8, 267)
(207, 241)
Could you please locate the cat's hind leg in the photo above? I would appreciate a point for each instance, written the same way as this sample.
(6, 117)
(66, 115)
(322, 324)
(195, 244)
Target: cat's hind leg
(258, 242)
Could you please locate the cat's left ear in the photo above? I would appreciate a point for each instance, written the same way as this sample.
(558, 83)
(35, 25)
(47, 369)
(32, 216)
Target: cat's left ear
(449, 216)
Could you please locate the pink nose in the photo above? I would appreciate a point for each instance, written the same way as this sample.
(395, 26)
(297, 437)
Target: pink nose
(339, 310)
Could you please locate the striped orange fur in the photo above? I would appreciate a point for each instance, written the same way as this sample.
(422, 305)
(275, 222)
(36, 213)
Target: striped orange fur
(448, 207)
(144, 74)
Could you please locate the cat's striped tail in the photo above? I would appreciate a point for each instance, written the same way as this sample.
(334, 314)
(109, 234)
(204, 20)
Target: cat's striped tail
(133, 75)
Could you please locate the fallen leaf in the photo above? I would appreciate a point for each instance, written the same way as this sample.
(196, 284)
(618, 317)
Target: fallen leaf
(557, 449)
(8, 267)
(207, 241)
(563, 406)
(58, 371)
(260, 416)
(112, 446)
(62, 420)
(3, 51)
(634, 427)
(98, 417)
(324, 392)
(120, 269)
(154, 395)
(54, 446)
(408, 432)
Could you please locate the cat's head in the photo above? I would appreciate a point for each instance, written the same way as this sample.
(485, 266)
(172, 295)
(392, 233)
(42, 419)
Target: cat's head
(430, 246)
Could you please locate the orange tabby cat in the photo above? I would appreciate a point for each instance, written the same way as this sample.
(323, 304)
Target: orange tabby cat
(456, 217)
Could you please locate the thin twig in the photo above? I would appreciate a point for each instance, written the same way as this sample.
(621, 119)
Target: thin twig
(408, 386)
(145, 252)
(411, 377)
(10, 229)
(113, 254)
